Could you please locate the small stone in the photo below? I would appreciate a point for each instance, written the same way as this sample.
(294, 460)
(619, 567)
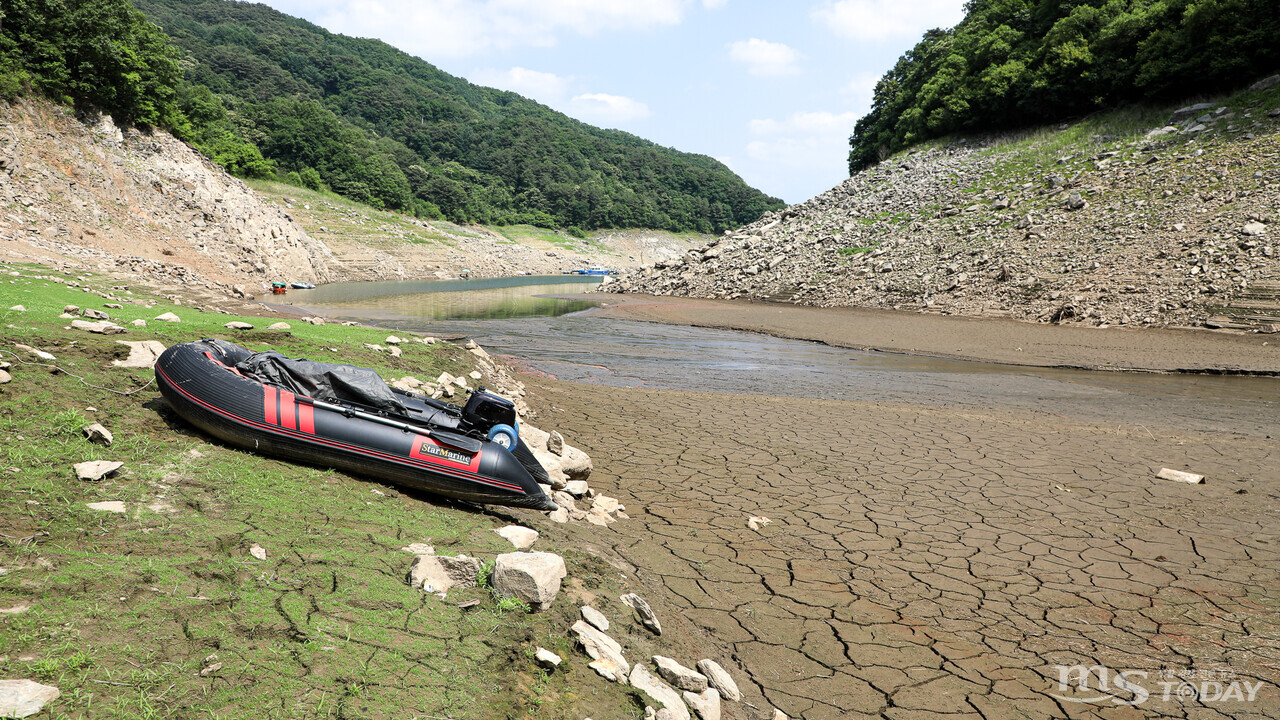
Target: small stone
(596, 618)
(98, 434)
(521, 537)
(679, 675)
(1075, 201)
(23, 698)
(555, 443)
(755, 522)
(102, 327)
(1254, 229)
(71, 309)
(439, 573)
(18, 308)
(606, 504)
(647, 618)
(97, 469)
(210, 669)
(779, 715)
(546, 658)
(258, 551)
(139, 323)
(719, 679)
(238, 325)
(559, 515)
(705, 704)
(419, 549)
(577, 488)
(5, 377)
(112, 506)
(393, 340)
(605, 652)
(279, 326)
(142, 354)
(168, 317)
(15, 609)
(531, 577)
(1180, 476)
(643, 680)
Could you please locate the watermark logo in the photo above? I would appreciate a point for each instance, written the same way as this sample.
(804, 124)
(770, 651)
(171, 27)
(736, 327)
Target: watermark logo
(1095, 684)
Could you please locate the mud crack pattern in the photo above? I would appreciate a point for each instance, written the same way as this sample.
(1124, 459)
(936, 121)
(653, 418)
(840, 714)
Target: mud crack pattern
(938, 563)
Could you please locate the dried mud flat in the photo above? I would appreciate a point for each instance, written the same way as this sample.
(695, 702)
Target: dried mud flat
(932, 562)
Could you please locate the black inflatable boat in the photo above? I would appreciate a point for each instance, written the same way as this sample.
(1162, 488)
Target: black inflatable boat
(346, 417)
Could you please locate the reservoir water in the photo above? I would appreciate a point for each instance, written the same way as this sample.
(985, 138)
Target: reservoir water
(565, 339)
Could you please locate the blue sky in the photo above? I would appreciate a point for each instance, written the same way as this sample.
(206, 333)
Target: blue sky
(772, 89)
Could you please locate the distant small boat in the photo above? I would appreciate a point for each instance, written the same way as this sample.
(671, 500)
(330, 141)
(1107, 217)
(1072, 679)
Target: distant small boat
(279, 288)
(302, 285)
(593, 270)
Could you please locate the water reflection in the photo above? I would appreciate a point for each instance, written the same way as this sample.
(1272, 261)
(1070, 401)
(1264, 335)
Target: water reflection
(490, 299)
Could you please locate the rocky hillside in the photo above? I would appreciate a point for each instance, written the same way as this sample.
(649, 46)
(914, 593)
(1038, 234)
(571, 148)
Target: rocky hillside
(142, 204)
(1163, 223)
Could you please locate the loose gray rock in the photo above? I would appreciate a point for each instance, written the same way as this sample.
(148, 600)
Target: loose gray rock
(719, 679)
(546, 658)
(94, 314)
(605, 652)
(705, 704)
(95, 470)
(531, 577)
(238, 325)
(679, 675)
(142, 354)
(102, 327)
(111, 506)
(18, 308)
(168, 317)
(5, 377)
(555, 443)
(1254, 229)
(23, 698)
(645, 613)
(1075, 201)
(643, 680)
(521, 537)
(439, 573)
(279, 326)
(596, 618)
(98, 434)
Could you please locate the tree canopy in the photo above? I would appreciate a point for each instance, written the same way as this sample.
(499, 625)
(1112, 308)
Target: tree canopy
(1012, 63)
(378, 125)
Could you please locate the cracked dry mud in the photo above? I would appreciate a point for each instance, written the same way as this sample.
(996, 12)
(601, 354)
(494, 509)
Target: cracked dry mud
(941, 563)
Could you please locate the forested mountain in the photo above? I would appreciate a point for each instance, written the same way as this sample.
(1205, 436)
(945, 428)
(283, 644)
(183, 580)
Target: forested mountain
(1014, 63)
(381, 126)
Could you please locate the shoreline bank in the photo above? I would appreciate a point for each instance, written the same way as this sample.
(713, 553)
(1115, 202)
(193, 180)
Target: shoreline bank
(994, 340)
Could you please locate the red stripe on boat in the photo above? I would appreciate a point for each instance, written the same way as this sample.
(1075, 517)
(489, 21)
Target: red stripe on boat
(306, 418)
(269, 404)
(288, 416)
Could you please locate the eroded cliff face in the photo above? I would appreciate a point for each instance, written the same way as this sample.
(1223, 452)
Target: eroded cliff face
(142, 204)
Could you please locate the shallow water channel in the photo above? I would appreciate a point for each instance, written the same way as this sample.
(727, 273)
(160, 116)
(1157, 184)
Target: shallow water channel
(566, 340)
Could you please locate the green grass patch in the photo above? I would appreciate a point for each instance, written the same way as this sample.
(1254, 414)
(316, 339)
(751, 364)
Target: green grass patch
(163, 612)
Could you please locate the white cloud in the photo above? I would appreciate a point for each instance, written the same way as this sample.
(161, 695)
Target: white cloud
(600, 108)
(764, 58)
(803, 139)
(882, 20)
(547, 88)
(464, 28)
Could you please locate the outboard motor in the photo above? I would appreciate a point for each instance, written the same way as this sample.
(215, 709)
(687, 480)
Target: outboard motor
(495, 418)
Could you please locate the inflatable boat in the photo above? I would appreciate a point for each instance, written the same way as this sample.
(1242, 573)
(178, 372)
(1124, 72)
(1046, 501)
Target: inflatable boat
(347, 417)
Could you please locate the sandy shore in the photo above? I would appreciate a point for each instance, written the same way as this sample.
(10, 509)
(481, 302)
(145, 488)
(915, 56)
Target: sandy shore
(988, 339)
(934, 562)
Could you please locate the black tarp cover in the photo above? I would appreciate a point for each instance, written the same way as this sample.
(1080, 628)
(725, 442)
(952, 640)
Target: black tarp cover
(329, 382)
